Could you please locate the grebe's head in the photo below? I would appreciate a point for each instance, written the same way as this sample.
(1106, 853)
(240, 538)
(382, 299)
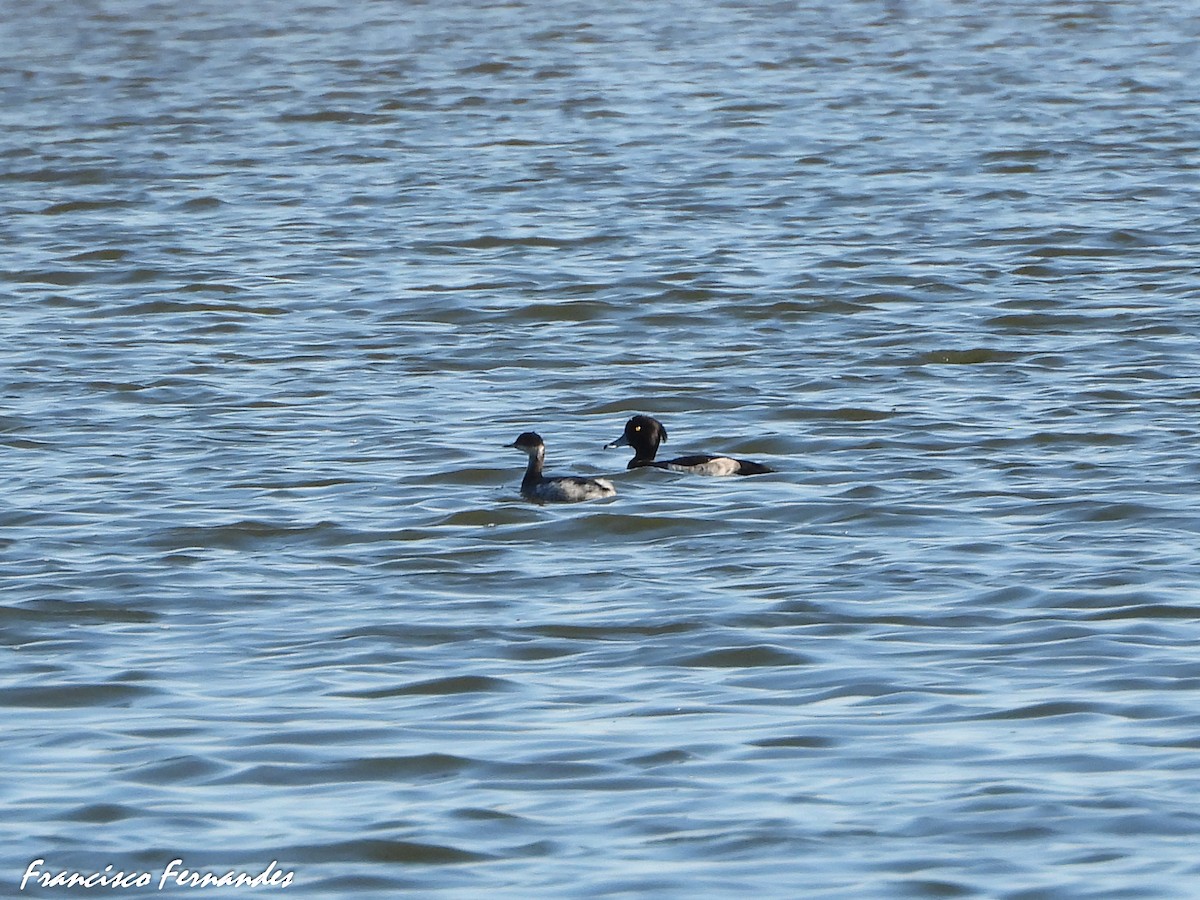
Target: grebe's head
(529, 442)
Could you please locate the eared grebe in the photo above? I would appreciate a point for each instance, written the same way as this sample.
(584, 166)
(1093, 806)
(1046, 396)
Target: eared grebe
(644, 434)
(567, 489)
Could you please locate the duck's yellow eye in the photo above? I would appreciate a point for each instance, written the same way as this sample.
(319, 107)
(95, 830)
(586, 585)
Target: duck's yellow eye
(637, 427)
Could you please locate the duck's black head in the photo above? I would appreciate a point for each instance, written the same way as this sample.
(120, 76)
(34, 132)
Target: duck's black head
(529, 442)
(643, 434)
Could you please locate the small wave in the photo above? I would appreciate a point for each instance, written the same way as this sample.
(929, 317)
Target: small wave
(1082, 438)
(488, 518)
(590, 633)
(179, 307)
(797, 742)
(1148, 611)
(107, 254)
(75, 612)
(102, 813)
(383, 851)
(1045, 710)
(971, 357)
(455, 684)
(335, 116)
(836, 414)
(387, 769)
(1046, 322)
(247, 534)
(572, 311)
(743, 658)
(177, 770)
(201, 204)
(492, 67)
(75, 206)
(73, 175)
(1084, 252)
(76, 695)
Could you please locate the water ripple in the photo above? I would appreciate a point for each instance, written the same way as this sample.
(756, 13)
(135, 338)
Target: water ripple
(282, 281)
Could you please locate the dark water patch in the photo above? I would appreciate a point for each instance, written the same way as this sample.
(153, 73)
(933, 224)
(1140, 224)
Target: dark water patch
(63, 302)
(1061, 439)
(216, 287)
(1032, 154)
(491, 67)
(1148, 610)
(386, 769)
(83, 206)
(573, 311)
(1012, 596)
(643, 527)
(1014, 168)
(661, 758)
(886, 298)
(486, 518)
(473, 476)
(1073, 251)
(249, 534)
(471, 287)
(1004, 195)
(71, 175)
(542, 650)
(838, 414)
(396, 852)
(891, 516)
(475, 218)
(334, 117)
(402, 635)
(176, 770)
(1129, 237)
(534, 850)
(1055, 708)
(456, 684)
(476, 814)
(201, 204)
(971, 357)
(102, 813)
(75, 612)
(316, 736)
(931, 887)
(167, 307)
(1097, 438)
(116, 387)
(797, 742)
(166, 732)
(692, 296)
(1061, 323)
(600, 785)
(56, 277)
(60, 696)
(1040, 272)
(1189, 744)
(614, 632)
(743, 657)
(513, 242)
(1092, 511)
(108, 254)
